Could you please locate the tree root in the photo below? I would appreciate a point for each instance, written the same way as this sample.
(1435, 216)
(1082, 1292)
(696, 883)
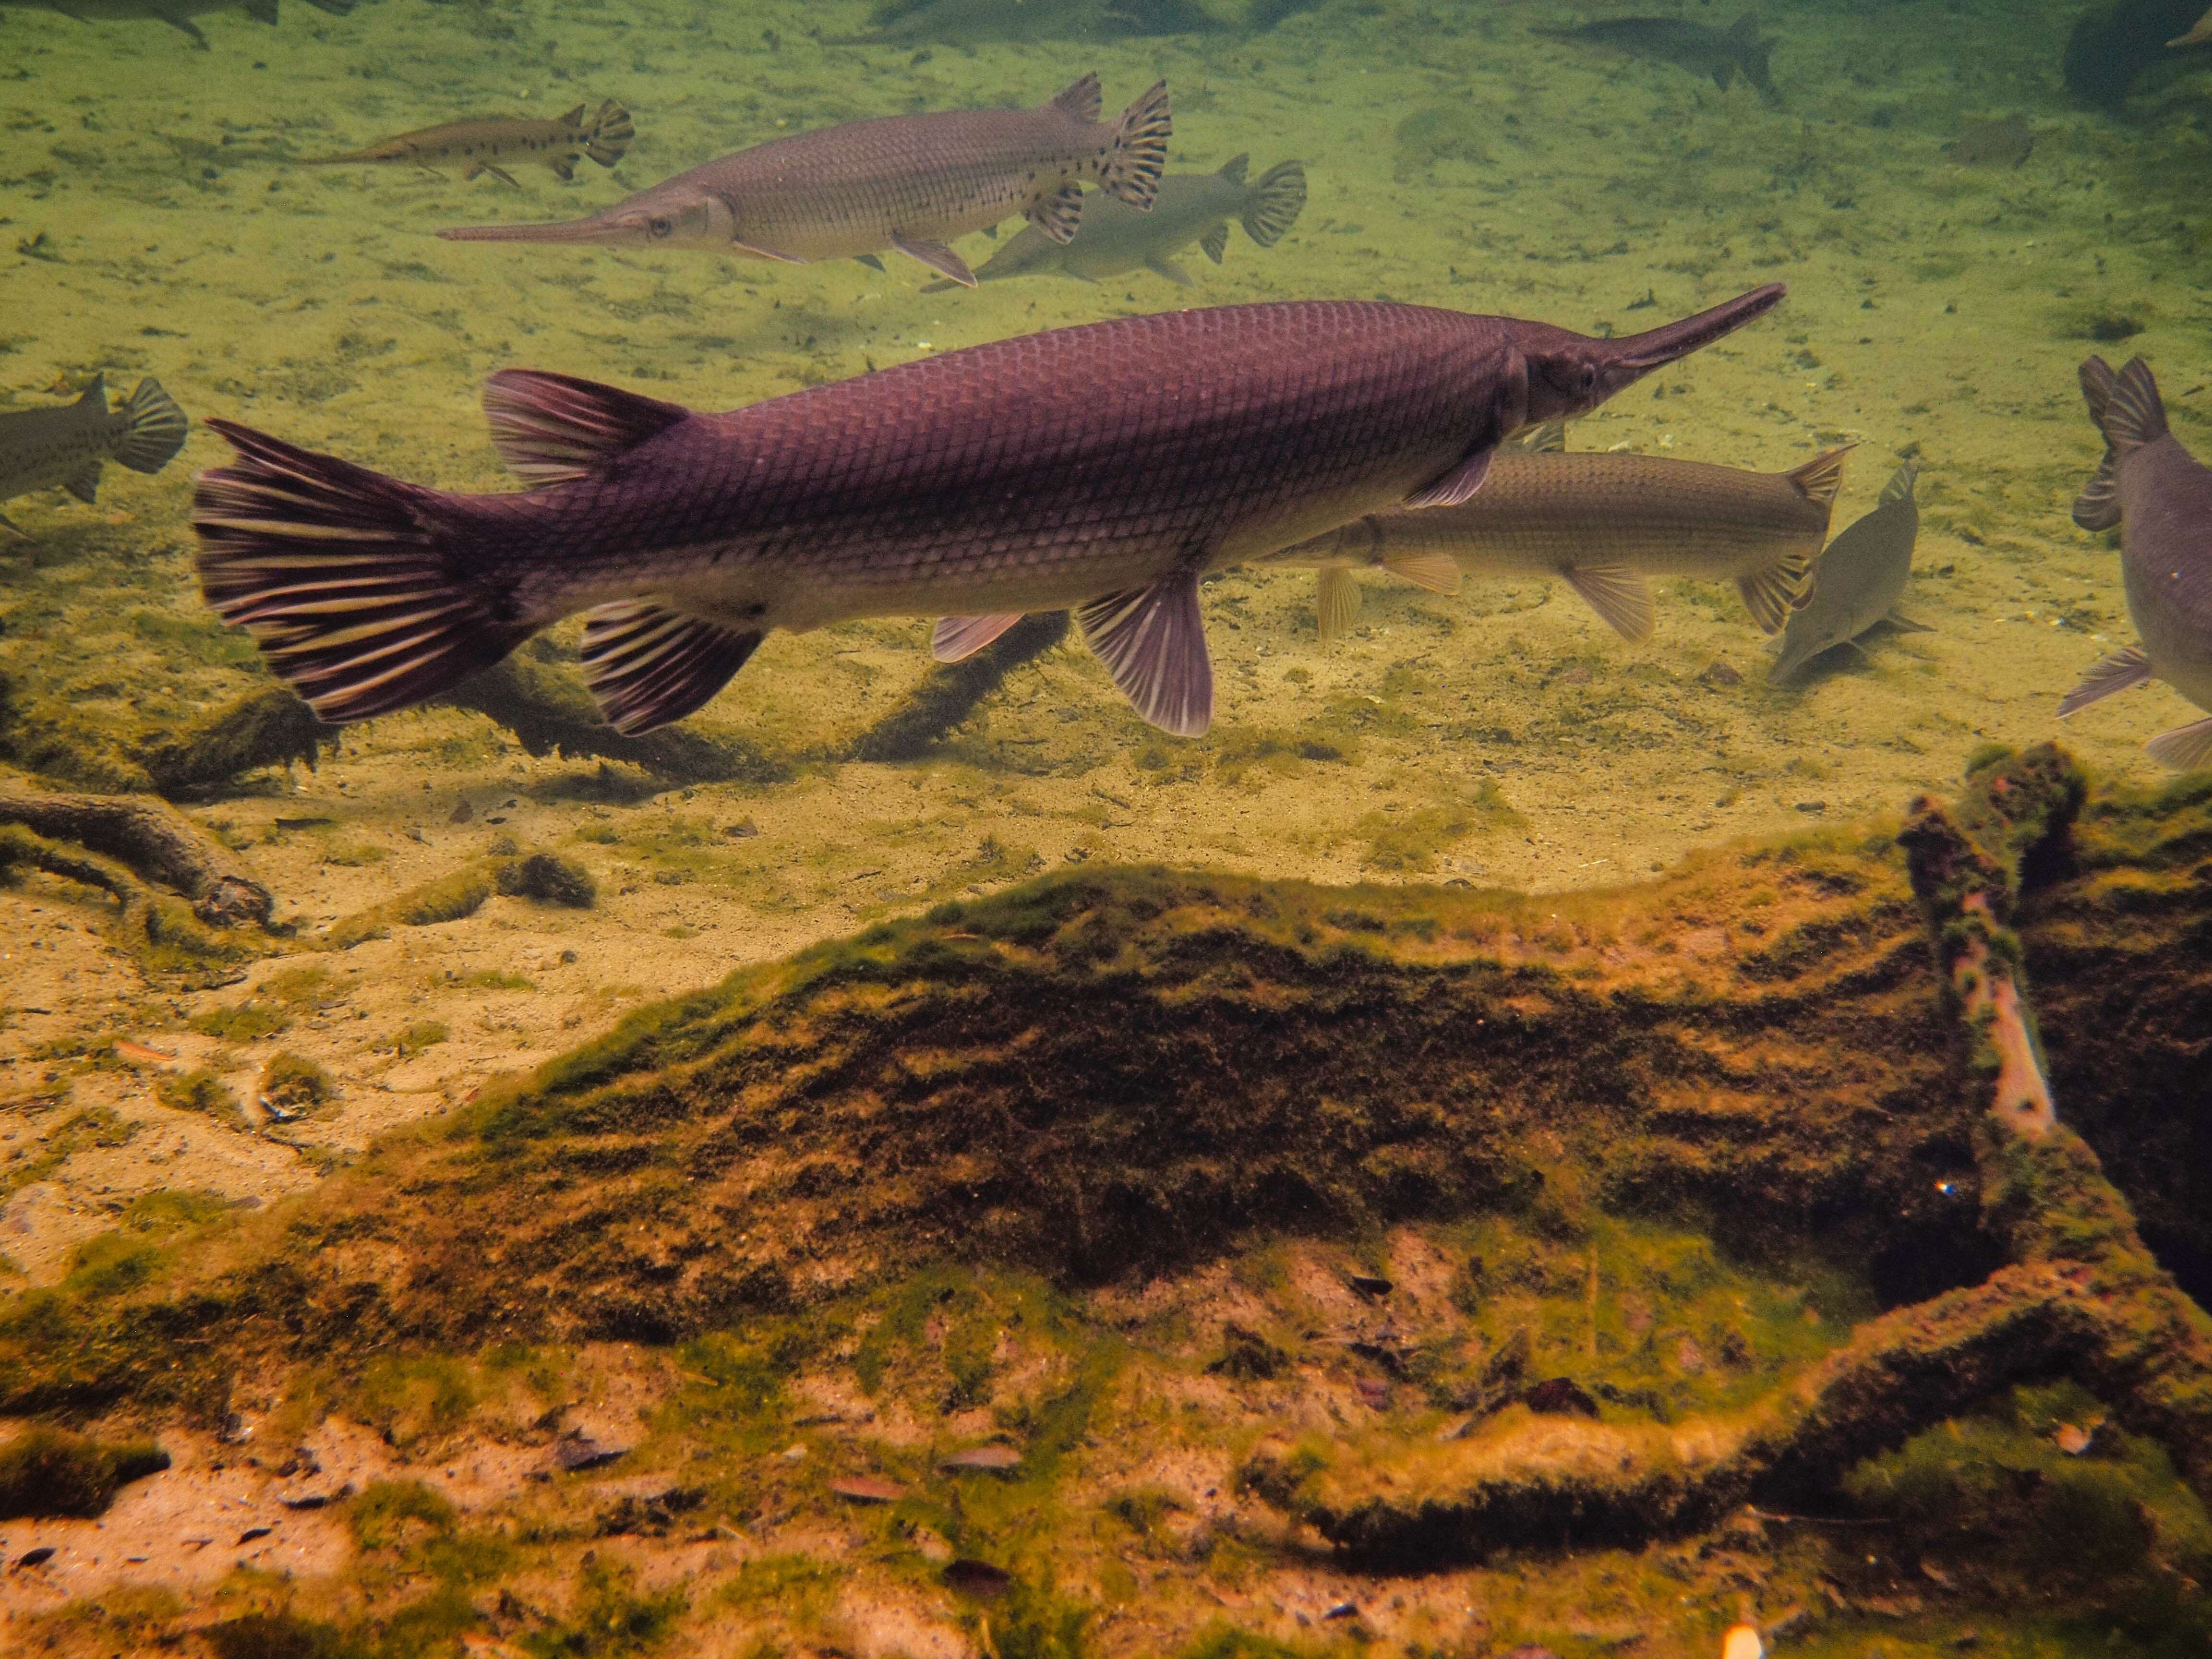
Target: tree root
(150, 839)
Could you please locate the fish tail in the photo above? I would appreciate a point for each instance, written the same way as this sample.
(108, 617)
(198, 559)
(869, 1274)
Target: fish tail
(2134, 413)
(154, 429)
(1900, 485)
(1277, 199)
(2098, 505)
(607, 139)
(1137, 152)
(345, 578)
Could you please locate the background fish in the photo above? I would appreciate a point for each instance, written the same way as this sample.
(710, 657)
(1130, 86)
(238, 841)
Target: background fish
(482, 146)
(2004, 143)
(1191, 207)
(1857, 581)
(41, 448)
(974, 22)
(1106, 469)
(2199, 32)
(177, 14)
(2159, 496)
(909, 182)
(1604, 524)
(1722, 53)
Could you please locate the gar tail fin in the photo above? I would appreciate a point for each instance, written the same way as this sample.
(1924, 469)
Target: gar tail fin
(2098, 505)
(607, 139)
(1137, 152)
(154, 429)
(1277, 197)
(343, 578)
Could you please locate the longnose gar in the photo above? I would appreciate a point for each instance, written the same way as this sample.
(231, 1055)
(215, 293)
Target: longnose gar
(40, 448)
(177, 14)
(909, 182)
(481, 145)
(1105, 468)
(1604, 524)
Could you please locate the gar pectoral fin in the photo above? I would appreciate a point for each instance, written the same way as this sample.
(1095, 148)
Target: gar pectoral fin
(551, 428)
(1160, 266)
(1152, 641)
(1336, 603)
(2116, 671)
(650, 665)
(937, 257)
(1456, 485)
(953, 638)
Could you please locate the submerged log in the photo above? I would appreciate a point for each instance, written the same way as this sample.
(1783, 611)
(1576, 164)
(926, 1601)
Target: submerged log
(153, 840)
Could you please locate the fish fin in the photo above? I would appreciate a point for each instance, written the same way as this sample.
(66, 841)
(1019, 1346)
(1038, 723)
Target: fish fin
(1772, 592)
(1153, 641)
(552, 429)
(649, 666)
(507, 178)
(154, 429)
(875, 262)
(952, 638)
(2135, 415)
(1336, 603)
(343, 578)
(1905, 625)
(2185, 748)
(13, 528)
(1058, 215)
(186, 26)
(2117, 671)
(606, 141)
(1437, 573)
(1215, 242)
(1084, 99)
(1276, 201)
(96, 394)
(1456, 485)
(756, 251)
(575, 117)
(1549, 439)
(938, 257)
(564, 168)
(1820, 479)
(1621, 598)
(261, 11)
(1900, 485)
(1137, 153)
(85, 483)
(1234, 168)
(2098, 505)
(1160, 264)
(2097, 382)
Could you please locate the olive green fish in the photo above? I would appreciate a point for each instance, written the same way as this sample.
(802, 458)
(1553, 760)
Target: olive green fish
(1859, 580)
(482, 146)
(1604, 524)
(1115, 237)
(66, 445)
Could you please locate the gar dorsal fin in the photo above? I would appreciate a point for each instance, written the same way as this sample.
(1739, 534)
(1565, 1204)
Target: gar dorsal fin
(1233, 169)
(551, 428)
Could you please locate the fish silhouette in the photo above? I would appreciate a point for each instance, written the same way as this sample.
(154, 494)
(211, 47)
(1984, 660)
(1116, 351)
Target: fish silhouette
(1857, 580)
(177, 14)
(1702, 50)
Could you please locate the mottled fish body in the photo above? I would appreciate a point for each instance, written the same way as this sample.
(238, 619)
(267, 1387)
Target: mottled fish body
(65, 447)
(1115, 237)
(1105, 469)
(1857, 580)
(177, 14)
(2160, 498)
(491, 144)
(906, 182)
(1722, 53)
(1606, 524)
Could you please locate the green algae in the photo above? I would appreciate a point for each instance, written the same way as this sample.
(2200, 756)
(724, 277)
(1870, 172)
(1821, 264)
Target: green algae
(201, 1090)
(48, 1472)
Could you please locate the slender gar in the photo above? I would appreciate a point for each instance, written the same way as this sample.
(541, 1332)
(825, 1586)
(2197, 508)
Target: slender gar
(482, 145)
(907, 182)
(66, 445)
(177, 14)
(1603, 524)
(1106, 468)
(2160, 498)
(1191, 207)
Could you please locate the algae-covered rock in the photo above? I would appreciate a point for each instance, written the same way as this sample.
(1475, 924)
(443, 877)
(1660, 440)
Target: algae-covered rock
(49, 1472)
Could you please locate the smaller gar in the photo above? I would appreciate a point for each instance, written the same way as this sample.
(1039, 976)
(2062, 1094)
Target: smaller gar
(66, 446)
(1604, 524)
(1191, 207)
(909, 183)
(177, 14)
(487, 145)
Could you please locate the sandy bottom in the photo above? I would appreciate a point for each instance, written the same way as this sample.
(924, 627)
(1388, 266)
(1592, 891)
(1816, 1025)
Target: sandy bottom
(1502, 736)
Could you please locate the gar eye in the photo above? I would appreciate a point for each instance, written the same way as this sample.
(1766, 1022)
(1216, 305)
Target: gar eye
(661, 227)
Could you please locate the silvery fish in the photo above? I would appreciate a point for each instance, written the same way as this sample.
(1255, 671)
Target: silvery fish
(41, 448)
(2161, 498)
(177, 14)
(907, 182)
(481, 145)
(1191, 207)
(1857, 581)
(1105, 469)
(1603, 524)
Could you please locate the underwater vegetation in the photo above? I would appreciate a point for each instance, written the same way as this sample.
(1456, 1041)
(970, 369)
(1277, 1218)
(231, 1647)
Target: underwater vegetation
(1073, 1265)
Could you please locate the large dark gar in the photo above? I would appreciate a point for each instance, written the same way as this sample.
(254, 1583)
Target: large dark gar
(1105, 468)
(909, 182)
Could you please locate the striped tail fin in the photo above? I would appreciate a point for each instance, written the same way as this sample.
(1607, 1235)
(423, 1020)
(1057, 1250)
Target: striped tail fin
(343, 578)
(1139, 151)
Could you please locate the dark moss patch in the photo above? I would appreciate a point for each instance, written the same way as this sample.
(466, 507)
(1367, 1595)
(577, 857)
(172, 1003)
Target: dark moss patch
(52, 1473)
(548, 879)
